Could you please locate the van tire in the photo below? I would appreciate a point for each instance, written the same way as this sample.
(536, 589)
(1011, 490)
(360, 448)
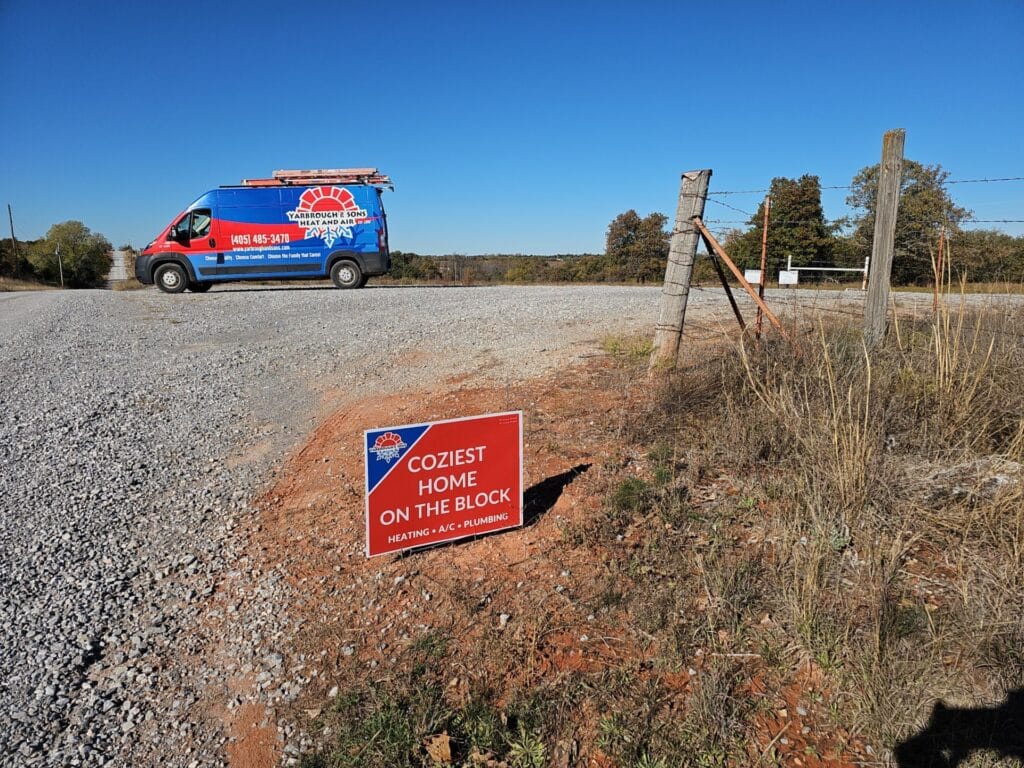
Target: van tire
(170, 278)
(200, 287)
(346, 274)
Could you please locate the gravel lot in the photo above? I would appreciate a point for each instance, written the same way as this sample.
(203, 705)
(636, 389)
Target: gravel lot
(127, 420)
(137, 427)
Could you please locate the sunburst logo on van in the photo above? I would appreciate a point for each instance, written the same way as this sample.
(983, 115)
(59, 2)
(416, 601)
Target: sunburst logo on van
(328, 213)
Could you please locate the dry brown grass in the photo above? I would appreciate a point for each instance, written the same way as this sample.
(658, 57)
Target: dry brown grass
(11, 284)
(887, 490)
(800, 550)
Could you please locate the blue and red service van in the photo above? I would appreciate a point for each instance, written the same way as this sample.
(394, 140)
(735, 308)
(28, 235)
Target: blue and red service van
(297, 224)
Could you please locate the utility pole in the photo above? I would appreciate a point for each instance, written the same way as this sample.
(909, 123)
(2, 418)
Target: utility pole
(682, 252)
(764, 264)
(14, 243)
(886, 204)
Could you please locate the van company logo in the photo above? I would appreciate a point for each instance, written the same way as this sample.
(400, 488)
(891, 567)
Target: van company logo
(388, 446)
(328, 213)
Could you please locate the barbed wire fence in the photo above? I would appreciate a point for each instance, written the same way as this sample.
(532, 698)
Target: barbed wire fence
(917, 251)
(724, 227)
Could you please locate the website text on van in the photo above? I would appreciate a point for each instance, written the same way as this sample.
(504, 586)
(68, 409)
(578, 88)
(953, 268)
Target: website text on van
(296, 224)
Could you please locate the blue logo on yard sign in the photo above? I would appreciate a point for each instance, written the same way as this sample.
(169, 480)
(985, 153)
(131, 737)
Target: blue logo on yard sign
(385, 449)
(388, 446)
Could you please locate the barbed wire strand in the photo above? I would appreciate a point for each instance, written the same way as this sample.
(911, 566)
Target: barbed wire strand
(850, 186)
(730, 207)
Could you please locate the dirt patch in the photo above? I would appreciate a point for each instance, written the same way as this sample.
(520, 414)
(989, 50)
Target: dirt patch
(254, 742)
(535, 609)
(313, 517)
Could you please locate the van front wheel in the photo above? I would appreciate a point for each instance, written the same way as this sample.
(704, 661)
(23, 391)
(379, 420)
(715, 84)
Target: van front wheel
(346, 274)
(171, 278)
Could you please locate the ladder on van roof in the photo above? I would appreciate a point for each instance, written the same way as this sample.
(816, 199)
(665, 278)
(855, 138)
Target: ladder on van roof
(303, 178)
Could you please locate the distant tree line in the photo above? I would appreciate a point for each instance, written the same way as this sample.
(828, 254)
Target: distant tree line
(636, 250)
(84, 256)
(636, 247)
(497, 268)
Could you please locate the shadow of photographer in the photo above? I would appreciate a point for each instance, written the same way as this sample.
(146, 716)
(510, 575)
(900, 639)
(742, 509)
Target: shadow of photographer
(952, 734)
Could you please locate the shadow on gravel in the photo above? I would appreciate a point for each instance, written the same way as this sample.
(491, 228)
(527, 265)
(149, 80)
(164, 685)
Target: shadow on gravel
(953, 734)
(537, 500)
(271, 288)
(279, 288)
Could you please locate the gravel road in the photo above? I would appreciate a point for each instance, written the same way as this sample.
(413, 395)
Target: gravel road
(137, 427)
(127, 421)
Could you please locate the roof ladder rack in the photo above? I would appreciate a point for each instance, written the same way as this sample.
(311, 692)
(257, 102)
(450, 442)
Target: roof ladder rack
(303, 178)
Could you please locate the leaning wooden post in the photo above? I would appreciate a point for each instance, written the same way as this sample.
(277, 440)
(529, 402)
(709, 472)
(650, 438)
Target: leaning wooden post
(886, 204)
(682, 252)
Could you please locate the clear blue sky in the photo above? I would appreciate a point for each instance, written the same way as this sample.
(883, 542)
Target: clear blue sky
(507, 127)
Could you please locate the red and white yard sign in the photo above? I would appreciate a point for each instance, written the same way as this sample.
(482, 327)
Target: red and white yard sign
(445, 480)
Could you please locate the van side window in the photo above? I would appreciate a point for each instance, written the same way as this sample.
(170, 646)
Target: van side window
(180, 227)
(200, 222)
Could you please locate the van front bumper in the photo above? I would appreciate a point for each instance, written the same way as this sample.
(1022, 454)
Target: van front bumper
(143, 269)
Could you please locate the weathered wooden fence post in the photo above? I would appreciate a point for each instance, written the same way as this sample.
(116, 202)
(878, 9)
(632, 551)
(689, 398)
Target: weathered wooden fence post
(682, 251)
(764, 264)
(886, 204)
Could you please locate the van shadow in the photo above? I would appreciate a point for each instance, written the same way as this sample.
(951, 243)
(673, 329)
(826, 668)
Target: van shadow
(269, 289)
(538, 500)
(329, 287)
(953, 734)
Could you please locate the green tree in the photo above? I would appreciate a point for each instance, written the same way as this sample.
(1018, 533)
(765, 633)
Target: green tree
(796, 227)
(924, 208)
(412, 266)
(524, 269)
(13, 258)
(986, 255)
(637, 248)
(85, 255)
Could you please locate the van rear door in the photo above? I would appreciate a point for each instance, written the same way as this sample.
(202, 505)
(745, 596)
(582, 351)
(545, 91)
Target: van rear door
(382, 230)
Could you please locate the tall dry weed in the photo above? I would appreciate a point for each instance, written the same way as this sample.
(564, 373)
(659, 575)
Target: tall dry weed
(896, 497)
